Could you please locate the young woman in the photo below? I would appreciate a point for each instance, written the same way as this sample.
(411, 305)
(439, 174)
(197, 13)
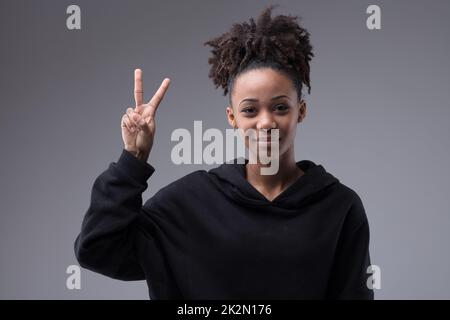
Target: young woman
(232, 232)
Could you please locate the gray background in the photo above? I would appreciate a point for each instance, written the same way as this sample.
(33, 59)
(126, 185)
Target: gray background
(378, 119)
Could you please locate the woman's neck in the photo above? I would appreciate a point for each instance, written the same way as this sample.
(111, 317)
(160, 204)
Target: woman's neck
(288, 173)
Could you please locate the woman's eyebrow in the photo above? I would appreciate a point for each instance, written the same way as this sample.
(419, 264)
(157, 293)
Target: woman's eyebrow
(256, 100)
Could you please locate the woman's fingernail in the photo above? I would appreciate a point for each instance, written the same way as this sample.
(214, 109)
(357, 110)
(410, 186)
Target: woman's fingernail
(141, 122)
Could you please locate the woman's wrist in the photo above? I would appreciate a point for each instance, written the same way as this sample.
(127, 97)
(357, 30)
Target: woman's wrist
(143, 156)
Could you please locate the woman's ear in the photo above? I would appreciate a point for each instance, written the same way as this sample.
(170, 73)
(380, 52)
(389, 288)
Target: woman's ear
(302, 111)
(230, 116)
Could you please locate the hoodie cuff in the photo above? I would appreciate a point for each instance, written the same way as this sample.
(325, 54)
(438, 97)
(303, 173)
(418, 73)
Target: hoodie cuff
(135, 168)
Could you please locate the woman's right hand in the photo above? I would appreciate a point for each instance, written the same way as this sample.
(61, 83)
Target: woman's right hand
(138, 124)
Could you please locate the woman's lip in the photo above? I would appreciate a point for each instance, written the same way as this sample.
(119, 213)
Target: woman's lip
(267, 139)
(263, 140)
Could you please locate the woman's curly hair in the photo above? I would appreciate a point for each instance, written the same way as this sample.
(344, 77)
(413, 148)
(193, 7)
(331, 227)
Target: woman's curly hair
(279, 43)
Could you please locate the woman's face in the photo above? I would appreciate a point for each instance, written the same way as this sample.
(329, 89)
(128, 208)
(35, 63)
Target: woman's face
(266, 99)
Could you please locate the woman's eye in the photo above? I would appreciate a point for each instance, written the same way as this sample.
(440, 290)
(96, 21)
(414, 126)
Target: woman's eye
(281, 107)
(248, 110)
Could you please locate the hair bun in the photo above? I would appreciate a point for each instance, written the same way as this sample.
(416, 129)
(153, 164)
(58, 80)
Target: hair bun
(278, 42)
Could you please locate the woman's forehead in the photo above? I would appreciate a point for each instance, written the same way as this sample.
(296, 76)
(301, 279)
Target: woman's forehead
(263, 84)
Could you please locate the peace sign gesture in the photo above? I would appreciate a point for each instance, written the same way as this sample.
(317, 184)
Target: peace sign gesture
(138, 124)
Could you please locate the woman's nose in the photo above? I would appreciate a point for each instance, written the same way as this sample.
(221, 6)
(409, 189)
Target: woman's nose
(266, 121)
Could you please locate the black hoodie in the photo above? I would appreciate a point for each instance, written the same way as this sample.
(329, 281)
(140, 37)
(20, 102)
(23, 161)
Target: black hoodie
(212, 235)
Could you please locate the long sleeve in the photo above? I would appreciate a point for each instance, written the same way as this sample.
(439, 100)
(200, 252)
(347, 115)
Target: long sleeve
(106, 243)
(349, 274)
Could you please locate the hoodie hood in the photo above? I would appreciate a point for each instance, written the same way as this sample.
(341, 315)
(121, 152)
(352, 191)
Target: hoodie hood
(232, 178)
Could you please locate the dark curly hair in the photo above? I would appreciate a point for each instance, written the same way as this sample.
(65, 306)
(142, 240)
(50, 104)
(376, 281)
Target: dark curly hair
(279, 43)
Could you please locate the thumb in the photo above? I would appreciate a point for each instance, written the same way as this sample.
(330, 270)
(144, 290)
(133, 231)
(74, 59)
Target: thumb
(140, 122)
(139, 109)
(143, 125)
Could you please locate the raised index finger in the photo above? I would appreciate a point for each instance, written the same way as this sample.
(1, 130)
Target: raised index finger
(159, 95)
(138, 91)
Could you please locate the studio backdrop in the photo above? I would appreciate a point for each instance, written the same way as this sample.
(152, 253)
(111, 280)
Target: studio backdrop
(378, 118)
